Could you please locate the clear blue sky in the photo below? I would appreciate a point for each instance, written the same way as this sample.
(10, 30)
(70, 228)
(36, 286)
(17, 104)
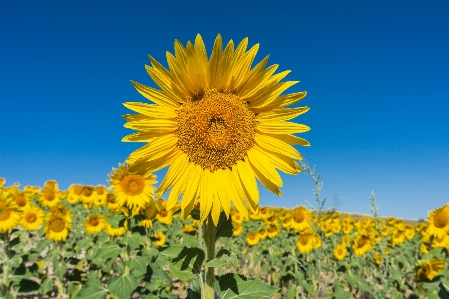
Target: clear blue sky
(376, 73)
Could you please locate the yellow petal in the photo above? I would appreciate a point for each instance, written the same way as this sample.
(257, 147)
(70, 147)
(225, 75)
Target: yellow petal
(271, 94)
(281, 162)
(266, 181)
(252, 76)
(281, 127)
(236, 191)
(216, 207)
(252, 86)
(180, 75)
(241, 190)
(145, 136)
(281, 114)
(224, 68)
(154, 164)
(151, 110)
(265, 86)
(249, 183)
(290, 139)
(192, 186)
(180, 54)
(150, 124)
(243, 68)
(179, 187)
(258, 160)
(157, 146)
(215, 61)
(166, 84)
(222, 191)
(206, 194)
(174, 171)
(276, 145)
(283, 101)
(155, 95)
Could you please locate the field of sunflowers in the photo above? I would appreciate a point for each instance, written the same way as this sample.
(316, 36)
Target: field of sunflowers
(82, 243)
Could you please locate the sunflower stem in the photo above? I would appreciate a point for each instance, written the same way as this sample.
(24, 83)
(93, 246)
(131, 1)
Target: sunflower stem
(209, 242)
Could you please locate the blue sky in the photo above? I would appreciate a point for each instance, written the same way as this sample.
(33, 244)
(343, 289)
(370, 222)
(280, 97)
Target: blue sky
(376, 73)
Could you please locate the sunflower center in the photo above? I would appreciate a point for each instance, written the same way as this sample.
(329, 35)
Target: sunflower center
(298, 216)
(94, 221)
(150, 211)
(57, 225)
(215, 129)
(30, 218)
(441, 220)
(272, 228)
(252, 236)
(110, 198)
(5, 212)
(21, 200)
(133, 184)
(87, 191)
(340, 251)
(49, 195)
(304, 239)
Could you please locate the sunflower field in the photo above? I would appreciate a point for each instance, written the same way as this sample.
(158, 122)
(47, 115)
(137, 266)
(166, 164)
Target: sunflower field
(82, 243)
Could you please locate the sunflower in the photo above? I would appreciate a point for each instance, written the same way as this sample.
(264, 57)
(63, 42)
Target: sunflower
(57, 228)
(160, 236)
(74, 194)
(429, 269)
(305, 242)
(262, 233)
(188, 229)
(441, 242)
(439, 221)
(21, 199)
(252, 238)
(347, 228)
(238, 229)
(165, 217)
(32, 218)
(218, 125)
(340, 251)
(424, 247)
(378, 258)
(362, 244)
(398, 237)
(51, 185)
(2, 182)
(60, 211)
(346, 239)
(300, 219)
(49, 197)
(94, 224)
(9, 214)
(132, 190)
(101, 196)
(88, 196)
(272, 230)
(237, 217)
(116, 231)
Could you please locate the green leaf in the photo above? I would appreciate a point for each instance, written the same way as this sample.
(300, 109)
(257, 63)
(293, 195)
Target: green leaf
(73, 287)
(60, 270)
(109, 251)
(28, 286)
(193, 294)
(444, 291)
(234, 286)
(132, 240)
(291, 293)
(138, 265)
(93, 290)
(46, 285)
(363, 285)
(224, 227)
(184, 262)
(221, 257)
(122, 286)
(340, 293)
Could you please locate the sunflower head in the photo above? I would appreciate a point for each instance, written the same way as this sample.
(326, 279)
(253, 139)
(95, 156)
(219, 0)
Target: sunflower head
(32, 218)
(57, 228)
(221, 122)
(131, 189)
(340, 251)
(439, 221)
(9, 215)
(94, 224)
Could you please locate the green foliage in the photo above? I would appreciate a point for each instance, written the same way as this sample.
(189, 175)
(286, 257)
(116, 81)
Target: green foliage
(184, 262)
(233, 286)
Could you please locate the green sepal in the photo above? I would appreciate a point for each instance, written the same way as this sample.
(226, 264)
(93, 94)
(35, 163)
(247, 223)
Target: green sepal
(184, 262)
(233, 286)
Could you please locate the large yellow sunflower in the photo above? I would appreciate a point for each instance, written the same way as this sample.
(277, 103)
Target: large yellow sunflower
(32, 218)
(218, 124)
(439, 221)
(9, 214)
(94, 224)
(132, 190)
(57, 228)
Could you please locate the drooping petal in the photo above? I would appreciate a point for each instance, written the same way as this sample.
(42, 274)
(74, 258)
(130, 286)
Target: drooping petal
(249, 183)
(276, 145)
(179, 165)
(281, 127)
(258, 160)
(206, 194)
(222, 191)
